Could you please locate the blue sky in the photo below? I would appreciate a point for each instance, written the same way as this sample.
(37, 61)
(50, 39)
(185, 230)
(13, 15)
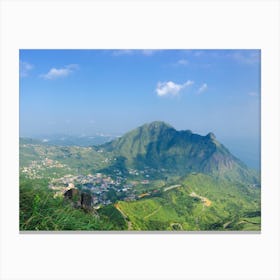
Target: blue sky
(113, 91)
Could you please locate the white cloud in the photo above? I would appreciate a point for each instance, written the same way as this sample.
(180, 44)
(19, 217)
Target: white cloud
(149, 52)
(246, 57)
(182, 62)
(24, 68)
(188, 83)
(203, 88)
(122, 52)
(145, 52)
(199, 53)
(170, 88)
(251, 57)
(55, 73)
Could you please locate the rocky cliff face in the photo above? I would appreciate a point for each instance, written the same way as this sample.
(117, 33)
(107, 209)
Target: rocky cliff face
(79, 199)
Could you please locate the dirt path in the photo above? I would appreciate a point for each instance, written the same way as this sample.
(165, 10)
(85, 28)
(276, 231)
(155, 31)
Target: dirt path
(129, 223)
(149, 215)
(171, 187)
(206, 202)
(249, 222)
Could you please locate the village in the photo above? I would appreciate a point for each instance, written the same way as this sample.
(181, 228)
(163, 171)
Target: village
(35, 169)
(104, 189)
(101, 187)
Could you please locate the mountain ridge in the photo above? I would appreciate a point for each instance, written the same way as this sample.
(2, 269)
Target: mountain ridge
(159, 145)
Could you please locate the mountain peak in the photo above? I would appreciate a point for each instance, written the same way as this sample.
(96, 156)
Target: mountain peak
(157, 124)
(158, 145)
(211, 135)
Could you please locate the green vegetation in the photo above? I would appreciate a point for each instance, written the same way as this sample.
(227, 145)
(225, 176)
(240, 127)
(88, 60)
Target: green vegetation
(112, 216)
(39, 210)
(232, 207)
(65, 160)
(152, 178)
(160, 147)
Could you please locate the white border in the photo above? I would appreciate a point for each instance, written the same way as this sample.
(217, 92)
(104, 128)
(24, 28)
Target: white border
(154, 24)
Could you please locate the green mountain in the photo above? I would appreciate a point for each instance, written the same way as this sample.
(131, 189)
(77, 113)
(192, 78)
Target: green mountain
(158, 145)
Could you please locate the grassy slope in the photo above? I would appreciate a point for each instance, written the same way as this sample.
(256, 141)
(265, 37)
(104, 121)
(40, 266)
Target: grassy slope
(40, 211)
(84, 158)
(232, 206)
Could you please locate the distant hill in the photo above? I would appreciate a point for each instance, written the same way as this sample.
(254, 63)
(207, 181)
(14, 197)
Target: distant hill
(158, 145)
(68, 140)
(26, 140)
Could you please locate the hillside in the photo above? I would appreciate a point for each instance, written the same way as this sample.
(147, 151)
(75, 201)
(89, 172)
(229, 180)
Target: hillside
(198, 203)
(158, 145)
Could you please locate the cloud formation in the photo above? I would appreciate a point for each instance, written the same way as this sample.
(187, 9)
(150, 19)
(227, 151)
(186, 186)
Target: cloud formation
(24, 68)
(122, 52)
(55, 73)
(250, 57)
(203, 88)
(170, 88)
(182, 62)
(149, 52)
(145, 52)
(245, 56)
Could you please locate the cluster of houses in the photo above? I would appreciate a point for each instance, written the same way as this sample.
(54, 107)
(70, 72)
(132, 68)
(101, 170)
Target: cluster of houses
(99, 186)
(33, 170)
